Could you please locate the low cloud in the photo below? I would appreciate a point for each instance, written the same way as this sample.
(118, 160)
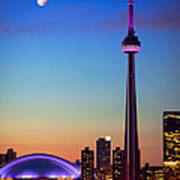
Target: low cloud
(91, 20)
(163, 22)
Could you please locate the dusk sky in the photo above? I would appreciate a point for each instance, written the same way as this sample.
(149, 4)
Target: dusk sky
(63, 75)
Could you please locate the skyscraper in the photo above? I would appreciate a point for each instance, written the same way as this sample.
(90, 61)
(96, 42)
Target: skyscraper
(103, 152)
(103, 158)
(130, 46)
(171, 141)
(87, 164)
(118, 164)
(10, 155)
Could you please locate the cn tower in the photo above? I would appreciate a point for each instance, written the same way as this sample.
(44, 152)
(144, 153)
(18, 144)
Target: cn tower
(131, 46)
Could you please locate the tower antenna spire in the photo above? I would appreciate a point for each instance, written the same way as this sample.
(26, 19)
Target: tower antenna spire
(131, 16)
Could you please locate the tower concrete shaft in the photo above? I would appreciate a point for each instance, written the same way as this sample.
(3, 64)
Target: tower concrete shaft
(132, 154)
(131, 45)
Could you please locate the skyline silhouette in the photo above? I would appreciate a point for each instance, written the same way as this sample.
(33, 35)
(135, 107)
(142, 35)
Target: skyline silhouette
(63, 74)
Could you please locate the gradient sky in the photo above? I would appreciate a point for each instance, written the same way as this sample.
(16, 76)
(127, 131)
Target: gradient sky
(63, 75)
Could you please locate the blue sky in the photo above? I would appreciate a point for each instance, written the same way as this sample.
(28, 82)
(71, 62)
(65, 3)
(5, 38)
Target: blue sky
(62, 70)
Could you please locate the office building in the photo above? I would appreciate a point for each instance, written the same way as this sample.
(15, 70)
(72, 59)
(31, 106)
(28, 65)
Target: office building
(103, 152)
(118, 164)
(2, 160)
(8, 157)
(87, 164)
(171, 142)
(152, 172)
(103, 157)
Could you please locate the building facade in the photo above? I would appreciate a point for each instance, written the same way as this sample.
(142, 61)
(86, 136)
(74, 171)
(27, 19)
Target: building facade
(2, 160)
(103, 152)
(87, 164)
(8, 157)
(152, 172)
(103, 158)
(171, 142)
(118, 164)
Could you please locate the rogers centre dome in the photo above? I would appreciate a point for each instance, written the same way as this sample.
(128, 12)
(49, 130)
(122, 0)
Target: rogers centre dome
(40, 166)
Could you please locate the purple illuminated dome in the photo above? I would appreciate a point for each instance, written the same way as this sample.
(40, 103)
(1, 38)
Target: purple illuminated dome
(40, 166)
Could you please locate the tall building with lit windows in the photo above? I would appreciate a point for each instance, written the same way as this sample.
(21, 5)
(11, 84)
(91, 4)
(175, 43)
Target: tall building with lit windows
(103, 157)
(87, 164)
(152, 172)
(118, 164)
(103, 152)
(171, 141)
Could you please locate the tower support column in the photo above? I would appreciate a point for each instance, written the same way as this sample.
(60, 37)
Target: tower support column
(130, 46)
(131, 137)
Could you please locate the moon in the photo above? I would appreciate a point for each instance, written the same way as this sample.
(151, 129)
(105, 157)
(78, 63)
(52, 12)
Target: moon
(41, 2)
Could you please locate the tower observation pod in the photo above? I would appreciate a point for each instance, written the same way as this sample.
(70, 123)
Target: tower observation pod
(130, 46)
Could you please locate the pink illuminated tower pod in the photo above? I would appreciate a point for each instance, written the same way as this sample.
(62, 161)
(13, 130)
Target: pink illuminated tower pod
(130, 46)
